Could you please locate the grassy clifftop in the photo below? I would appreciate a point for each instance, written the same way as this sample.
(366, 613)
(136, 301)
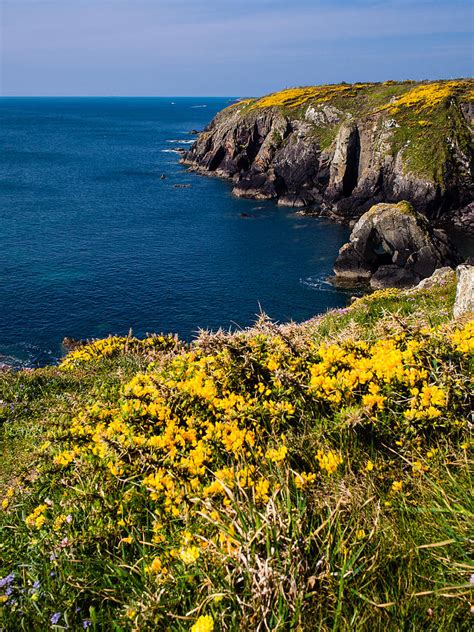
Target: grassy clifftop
(311, 476)
(366, 98)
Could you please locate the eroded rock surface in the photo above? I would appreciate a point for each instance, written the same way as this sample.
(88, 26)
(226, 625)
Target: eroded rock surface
(338, 155)
(392, 245)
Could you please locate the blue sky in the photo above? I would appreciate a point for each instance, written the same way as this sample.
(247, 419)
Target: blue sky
(226, 47)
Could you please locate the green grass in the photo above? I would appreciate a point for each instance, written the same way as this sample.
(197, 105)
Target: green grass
(378, 538)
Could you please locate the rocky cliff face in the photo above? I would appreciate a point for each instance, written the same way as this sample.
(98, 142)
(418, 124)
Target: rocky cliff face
(338, 149)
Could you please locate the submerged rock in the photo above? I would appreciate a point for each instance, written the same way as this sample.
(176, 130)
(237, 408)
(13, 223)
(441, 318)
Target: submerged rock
(393, 246)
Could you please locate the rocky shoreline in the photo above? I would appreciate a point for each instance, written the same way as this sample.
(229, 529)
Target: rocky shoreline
(337, 150)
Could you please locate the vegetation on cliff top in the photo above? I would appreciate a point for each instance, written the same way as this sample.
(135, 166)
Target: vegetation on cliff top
(419, 115)
(311, 476)
(406, 94)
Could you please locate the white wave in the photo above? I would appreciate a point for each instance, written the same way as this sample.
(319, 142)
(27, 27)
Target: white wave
(181, 142)
(319, 283)
(199, 106)
(171, 151)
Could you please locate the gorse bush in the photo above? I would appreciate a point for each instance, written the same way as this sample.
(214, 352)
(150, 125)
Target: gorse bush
(274, 479)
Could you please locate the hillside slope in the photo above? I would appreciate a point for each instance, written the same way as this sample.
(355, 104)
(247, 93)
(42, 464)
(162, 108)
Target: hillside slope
(302, 477)
(341, 148)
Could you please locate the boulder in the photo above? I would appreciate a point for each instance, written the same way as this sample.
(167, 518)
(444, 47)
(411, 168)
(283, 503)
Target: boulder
(464, 303)
(392, 245)
(441, 276)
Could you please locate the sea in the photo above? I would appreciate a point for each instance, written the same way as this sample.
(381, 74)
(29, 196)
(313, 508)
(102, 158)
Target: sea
(103, 231)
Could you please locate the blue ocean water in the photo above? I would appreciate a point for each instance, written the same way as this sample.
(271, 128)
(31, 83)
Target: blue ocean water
(93, 242)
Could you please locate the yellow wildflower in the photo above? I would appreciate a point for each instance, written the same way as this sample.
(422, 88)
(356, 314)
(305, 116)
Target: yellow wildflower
(37, 518)
(329, 461)
(304, 479)
(277, 454)
(205, 623)
(262, 488)
(131, 613)
(190, 554)
(397, 486)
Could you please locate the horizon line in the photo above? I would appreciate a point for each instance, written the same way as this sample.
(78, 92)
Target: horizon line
(220, 96)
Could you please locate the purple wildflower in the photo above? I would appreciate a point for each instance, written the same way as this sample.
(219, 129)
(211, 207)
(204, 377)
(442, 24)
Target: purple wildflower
(69, 518)
(36, 584)
(55, 618)
(471, 579)
(6, 581)
(86, 623)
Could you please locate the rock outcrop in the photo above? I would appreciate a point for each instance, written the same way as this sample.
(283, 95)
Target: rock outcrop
(337, 150)
(392, 245)
(441, 276)
(464, 303)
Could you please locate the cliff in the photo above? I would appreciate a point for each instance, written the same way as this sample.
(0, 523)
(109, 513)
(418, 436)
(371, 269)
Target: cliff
(338, 149)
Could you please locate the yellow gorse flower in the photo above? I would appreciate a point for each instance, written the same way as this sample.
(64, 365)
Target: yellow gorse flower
(190, 554)
(423, 98)
(397, 486)
(277, 454)
(329, 461)
(463, 339)
(304, 479)
(205, 623)
(36, 519)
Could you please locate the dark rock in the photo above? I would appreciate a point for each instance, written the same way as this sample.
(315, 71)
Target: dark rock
(392, 276)
(464, 218)
(271, 153)
(73, 343)
(392, 245)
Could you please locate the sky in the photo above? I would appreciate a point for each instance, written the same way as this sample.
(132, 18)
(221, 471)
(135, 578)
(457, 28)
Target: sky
(226, 47)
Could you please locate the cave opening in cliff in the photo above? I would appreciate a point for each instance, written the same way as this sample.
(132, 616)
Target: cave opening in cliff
(351, 175)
